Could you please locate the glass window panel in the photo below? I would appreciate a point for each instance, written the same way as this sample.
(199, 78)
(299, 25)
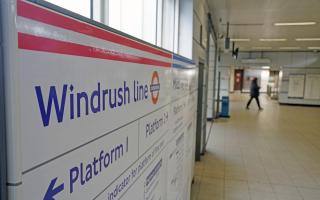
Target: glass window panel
(149, 21)
(159, 23)
(115, 14)
(81, 7)
(176, 26)
(131, 17)
(97, 10)
(168, 24)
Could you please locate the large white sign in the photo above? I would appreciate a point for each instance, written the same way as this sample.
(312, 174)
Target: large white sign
(97, 115)
(312, 86)
(296, 85)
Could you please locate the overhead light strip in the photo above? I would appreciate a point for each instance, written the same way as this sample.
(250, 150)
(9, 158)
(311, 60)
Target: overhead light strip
(240, 39)
(295, 23)
(289, 48)
(261, 48)
(273, 39)
(307, 39)
(314, 48)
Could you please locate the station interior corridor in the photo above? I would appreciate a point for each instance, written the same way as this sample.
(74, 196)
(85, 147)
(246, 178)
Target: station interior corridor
(269, 155)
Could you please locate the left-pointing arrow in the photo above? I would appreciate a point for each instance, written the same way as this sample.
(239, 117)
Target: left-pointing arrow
(51, 191)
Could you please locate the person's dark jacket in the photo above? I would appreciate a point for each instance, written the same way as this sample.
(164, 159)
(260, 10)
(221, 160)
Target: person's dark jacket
(254, 89)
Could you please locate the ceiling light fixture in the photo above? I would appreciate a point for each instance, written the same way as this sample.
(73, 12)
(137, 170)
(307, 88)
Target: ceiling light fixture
(273, 40)
(265, 67)
(307, 39)
(295, 23)
(314, 48)
(261, 48)
(289, 48)
(240, 39)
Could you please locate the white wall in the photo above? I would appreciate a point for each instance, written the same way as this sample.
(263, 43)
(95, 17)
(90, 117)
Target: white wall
(200, 10)
(262, 75)
(199, 49)
(284, 86)
(289, 63)
(185, 28)
(225, 76)
(211, 78)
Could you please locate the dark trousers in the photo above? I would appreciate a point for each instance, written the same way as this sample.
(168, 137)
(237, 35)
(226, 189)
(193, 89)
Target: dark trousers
(257, 100)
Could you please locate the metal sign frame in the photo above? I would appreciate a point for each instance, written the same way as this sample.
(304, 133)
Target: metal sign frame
(3, 160)
(199, 133)
(5, 131)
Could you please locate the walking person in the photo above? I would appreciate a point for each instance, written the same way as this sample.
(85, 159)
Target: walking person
(254, 93)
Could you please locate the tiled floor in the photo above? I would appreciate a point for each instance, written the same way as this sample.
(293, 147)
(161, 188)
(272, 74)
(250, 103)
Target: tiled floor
(267, 155)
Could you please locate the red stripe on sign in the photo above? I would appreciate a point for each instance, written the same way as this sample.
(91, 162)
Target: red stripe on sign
(36, 13)
(35, 43)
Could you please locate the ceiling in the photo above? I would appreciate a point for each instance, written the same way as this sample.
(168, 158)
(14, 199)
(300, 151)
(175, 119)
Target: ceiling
(254, 20)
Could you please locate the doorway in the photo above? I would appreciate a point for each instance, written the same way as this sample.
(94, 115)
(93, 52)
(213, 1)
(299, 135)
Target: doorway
(201, 110)
(238, 80)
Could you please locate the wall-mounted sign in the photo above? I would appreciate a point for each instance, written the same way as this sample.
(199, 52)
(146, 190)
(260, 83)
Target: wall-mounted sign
(95, 115)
